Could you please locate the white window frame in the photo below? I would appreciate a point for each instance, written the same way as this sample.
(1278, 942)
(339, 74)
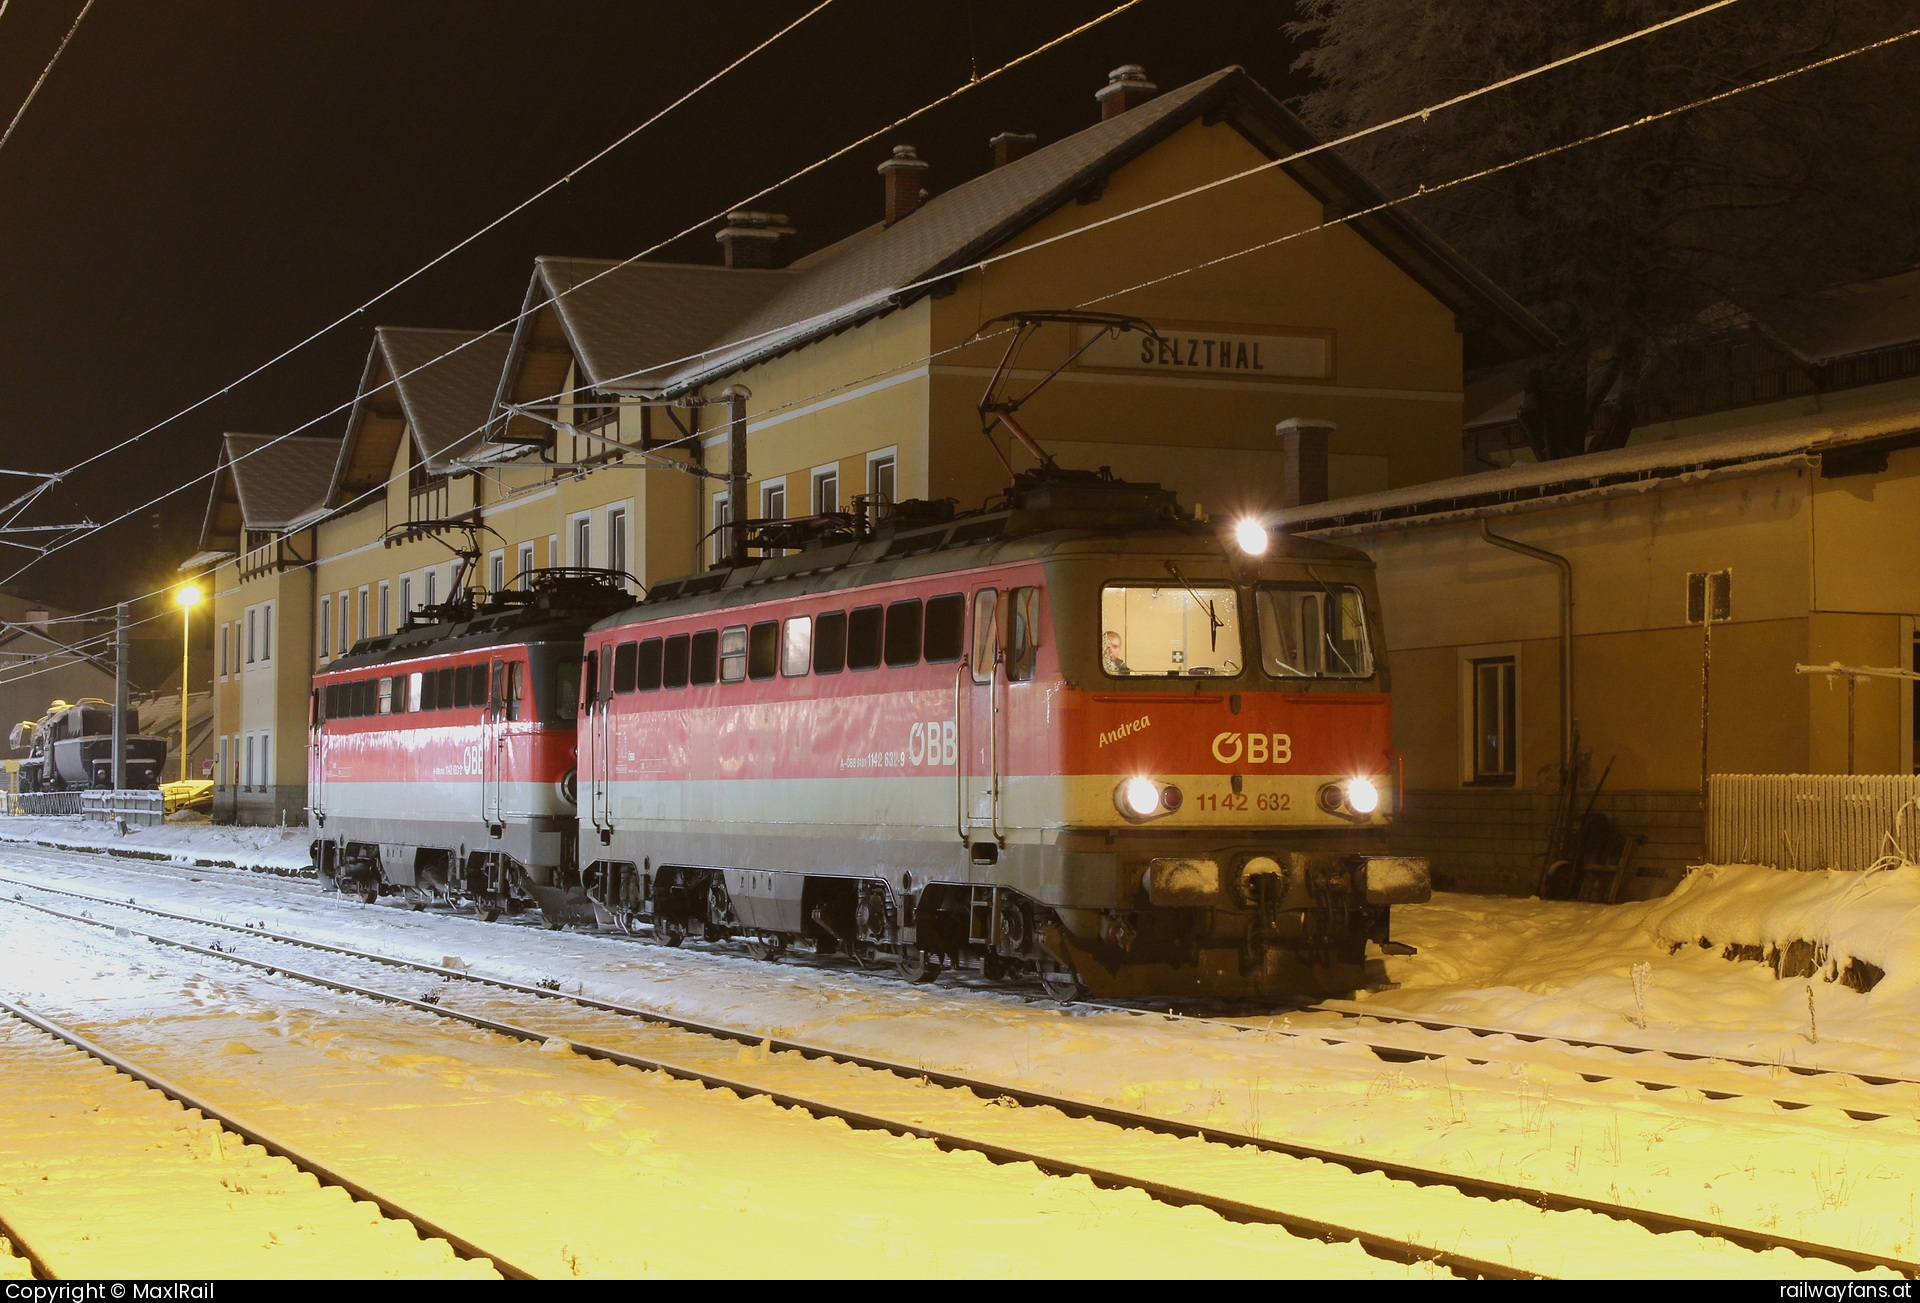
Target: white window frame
(497, 570)
(223, 650)
(768, 488)
(363, 612)
(526, 564)
(266, 633)
(580, 539)
(220, 762)
(346, 632)
(553, 550)
(618, 518)
(325, 640)
(891, 458)
(406, 596)
(253, 625)
(814, 477)
(1468, 656)
(386, 608)
(720, 515)
(431, 583)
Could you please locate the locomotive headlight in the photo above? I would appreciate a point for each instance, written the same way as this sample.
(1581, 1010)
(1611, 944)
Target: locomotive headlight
(1362, 796)
(1140, 798)
(1350, 798)
(1251, 535)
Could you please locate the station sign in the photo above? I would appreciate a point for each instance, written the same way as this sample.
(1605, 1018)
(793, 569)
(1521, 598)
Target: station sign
(1197, 349)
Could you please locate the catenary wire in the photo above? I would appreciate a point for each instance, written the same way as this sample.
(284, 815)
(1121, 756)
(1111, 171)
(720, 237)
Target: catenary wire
(45, 72)
(1423, 190)
(962, 89)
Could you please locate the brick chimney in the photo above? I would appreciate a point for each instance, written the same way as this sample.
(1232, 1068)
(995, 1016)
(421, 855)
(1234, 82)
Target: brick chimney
(1011, 145)
(1303, 442)
(903, 176)
(753, 239)
(1127, 87)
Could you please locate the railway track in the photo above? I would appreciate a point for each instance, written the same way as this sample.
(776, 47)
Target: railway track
(808, 1076)
(192, 1203)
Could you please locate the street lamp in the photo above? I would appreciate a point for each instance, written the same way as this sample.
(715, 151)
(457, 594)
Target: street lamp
(188, 597)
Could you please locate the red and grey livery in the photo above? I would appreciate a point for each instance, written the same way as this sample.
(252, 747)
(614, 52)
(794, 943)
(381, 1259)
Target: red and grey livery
(1083, 738)
(441, 757)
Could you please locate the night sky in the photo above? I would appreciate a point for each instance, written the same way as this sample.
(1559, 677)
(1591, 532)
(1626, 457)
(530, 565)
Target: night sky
(202, 183)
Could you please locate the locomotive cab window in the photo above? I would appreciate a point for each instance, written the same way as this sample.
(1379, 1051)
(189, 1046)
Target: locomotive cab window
(986, 644)
(591, 676)
(733, 653)
(1023, 633)
(830, 643)
(1169, 631)
(386, 696)
(1313, 631)
(626, 667)
(903, 633)
(763, 650)
(566, 689)
(649, 669)
(863, 638)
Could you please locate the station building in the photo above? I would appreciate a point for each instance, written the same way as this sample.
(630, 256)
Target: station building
(1312, 344)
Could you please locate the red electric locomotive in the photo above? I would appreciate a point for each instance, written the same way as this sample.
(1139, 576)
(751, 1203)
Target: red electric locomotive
(441, 757)
(1083, 737)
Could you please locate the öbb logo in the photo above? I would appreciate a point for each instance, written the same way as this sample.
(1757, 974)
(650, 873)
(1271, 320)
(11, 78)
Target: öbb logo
(935, 742)
(1257, 748)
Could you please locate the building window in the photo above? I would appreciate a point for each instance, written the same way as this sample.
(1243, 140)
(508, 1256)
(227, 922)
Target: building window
(553, 549)
(365, 609)
(220, 761)
(617, 538)
(266, 758)
(722, 517)
(826, 490)
(247, 773)
(223, 649)
(1495, 715)
(583, 541)
(406, 595)
(266, 632)
(251, 624)
(346, 634)
(497, 571)
(326, 626)
(526, 563)
(773, 500)
(433, 582)
(880, 477)
(386, 608)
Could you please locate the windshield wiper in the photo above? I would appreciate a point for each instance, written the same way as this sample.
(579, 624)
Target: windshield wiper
(1326, 623)
(1214, 623)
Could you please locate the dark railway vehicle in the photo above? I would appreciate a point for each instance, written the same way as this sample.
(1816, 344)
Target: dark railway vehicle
(441, 757)
(1083, 738)
(71, 747)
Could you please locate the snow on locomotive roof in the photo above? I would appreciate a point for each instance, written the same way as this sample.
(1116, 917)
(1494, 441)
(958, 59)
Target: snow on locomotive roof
(959, 543)
(551, 612)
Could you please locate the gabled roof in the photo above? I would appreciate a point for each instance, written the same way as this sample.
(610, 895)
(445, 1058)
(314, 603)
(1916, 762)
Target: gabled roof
(265, 482)
(1848, 319)
(438, 384)
(869, 273)
(623, 323)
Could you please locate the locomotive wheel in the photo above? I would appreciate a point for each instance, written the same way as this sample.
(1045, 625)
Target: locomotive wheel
(919, 967)
(993, 968)
(669, 932)
(486, 911)
(1062, 984)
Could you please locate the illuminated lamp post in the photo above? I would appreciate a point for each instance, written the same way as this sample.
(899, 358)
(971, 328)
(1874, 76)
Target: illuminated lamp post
(188, 598)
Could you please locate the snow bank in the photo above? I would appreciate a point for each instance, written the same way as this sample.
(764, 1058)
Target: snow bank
(1835, 917)
(276, 850)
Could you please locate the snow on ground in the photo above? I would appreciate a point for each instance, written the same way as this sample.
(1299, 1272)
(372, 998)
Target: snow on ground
(569, 1166)
(274, 849)
(1522, 1113)
(108, 1179)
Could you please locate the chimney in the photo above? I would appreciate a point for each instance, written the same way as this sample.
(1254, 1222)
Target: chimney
(1127, 87)
(902, 174)
(753, 239)
(1010, 146)
(1303, 441)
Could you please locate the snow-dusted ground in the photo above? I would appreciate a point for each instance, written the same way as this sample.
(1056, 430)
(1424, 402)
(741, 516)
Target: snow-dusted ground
(1524, 1113)
(109, 1179)
(273, 849)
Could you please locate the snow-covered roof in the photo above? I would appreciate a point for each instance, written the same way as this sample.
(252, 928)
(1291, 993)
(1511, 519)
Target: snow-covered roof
(886, 266)
(1849, 319)
(265, 482)
(1636, 467)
